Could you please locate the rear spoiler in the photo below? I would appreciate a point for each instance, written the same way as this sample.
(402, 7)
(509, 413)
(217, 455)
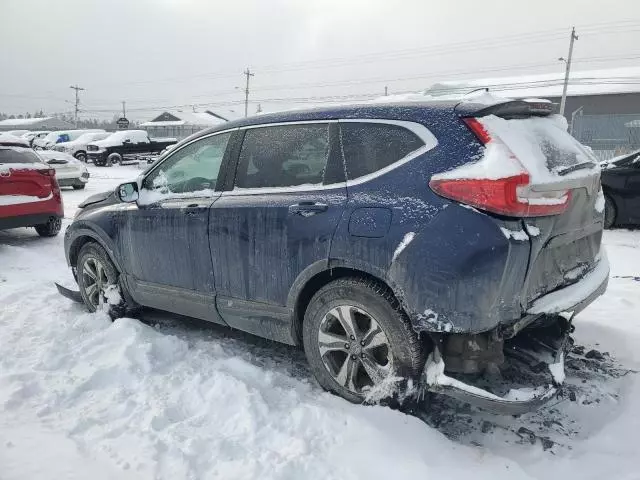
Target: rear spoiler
(508, 109)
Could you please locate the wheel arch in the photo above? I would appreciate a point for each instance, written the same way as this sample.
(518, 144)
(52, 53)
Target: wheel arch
(84, 236)
(313, 279)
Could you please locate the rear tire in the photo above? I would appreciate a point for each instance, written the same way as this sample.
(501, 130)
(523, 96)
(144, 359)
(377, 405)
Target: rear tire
(51, 228)
(82, 156)
(113, 158)
(95, 273)
(378, 340)
(610, 212)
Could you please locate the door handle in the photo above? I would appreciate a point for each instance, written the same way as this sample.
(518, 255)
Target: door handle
(306, 209)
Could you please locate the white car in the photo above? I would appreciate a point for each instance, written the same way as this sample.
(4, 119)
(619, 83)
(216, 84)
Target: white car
(53, 138)
(69, 171)
(78, 147)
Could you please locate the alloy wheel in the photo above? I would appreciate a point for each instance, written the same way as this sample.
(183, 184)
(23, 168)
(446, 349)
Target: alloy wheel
(95, 281)
(354, 348)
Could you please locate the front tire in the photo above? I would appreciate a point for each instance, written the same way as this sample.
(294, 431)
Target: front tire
(49, 229)
(356, 335)
(82, 156)
(79, 187)
(96, 276)
(610, 212)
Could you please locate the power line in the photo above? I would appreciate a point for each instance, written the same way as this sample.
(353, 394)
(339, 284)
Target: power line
(434, 50)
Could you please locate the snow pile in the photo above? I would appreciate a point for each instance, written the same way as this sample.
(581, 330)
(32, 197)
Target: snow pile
(557, 370)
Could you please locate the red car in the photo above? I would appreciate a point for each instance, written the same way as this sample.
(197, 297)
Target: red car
(29, 193)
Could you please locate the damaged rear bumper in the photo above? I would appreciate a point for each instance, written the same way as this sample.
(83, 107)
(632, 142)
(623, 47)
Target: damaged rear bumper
(516, 402)
(70, 294)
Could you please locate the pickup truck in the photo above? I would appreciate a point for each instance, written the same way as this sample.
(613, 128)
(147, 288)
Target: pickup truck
(123, 145)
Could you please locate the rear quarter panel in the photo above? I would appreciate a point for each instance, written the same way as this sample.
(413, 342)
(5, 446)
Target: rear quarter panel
(452, 273)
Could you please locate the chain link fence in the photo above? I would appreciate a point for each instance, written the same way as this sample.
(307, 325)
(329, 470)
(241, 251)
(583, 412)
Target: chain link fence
(608, 135)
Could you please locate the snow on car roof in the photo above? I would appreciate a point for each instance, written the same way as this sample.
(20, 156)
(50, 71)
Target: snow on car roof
(12, 140)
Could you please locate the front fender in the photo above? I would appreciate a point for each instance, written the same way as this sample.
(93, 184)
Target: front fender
(81, 231)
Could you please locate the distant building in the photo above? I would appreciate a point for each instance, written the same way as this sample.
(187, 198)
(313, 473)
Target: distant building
(34, 124)
(181, 124)
(601, 107)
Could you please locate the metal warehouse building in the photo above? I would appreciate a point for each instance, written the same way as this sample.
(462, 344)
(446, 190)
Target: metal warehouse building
(34, 124)
(602, 109)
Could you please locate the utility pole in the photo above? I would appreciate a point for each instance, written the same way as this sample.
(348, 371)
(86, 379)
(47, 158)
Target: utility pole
(259, 109)
(124, 110)
(386, 91)
(248, 74)
(77, 89)
(566, 73)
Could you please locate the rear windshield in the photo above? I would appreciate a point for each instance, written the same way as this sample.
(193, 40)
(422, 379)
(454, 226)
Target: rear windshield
(18, 155)
(542, 144)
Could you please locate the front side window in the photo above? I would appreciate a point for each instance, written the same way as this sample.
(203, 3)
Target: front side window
(369, 147)
(193, 168)
(283, 156)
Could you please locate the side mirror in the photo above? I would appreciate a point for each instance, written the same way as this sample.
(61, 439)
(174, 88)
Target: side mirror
(127, 192)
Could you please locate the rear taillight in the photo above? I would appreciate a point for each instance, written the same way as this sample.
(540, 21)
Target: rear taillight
(512, 195)
(478, 129)
(505, 196)
(50, 172)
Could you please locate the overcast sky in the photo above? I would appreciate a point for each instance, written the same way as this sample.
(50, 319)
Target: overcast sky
(157, 53)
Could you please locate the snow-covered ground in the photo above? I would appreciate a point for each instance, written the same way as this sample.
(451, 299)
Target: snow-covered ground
(81, 397)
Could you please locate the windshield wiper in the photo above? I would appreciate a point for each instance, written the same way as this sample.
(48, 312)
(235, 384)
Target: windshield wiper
(578, 166)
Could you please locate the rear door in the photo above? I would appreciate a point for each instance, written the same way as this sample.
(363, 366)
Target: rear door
(276, 221)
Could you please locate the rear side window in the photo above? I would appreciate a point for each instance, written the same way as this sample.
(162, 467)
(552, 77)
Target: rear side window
(283, 156)
(23, 155)
(369, 147)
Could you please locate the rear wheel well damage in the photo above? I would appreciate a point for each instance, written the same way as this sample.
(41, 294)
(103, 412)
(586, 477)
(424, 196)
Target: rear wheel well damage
(321, 279)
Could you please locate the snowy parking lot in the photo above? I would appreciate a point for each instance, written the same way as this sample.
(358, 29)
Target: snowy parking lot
(82, 397)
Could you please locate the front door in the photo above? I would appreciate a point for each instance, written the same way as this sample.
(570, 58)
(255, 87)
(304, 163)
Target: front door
(165, 238)
(279, 219)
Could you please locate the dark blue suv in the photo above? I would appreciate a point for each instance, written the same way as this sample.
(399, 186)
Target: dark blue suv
(390, 240)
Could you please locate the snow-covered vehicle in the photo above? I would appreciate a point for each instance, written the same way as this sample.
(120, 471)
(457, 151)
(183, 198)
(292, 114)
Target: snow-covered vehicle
(70, 172)
(78, 147)
(416, 241)
(125, 145)
(53, 138)
(33, 136)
